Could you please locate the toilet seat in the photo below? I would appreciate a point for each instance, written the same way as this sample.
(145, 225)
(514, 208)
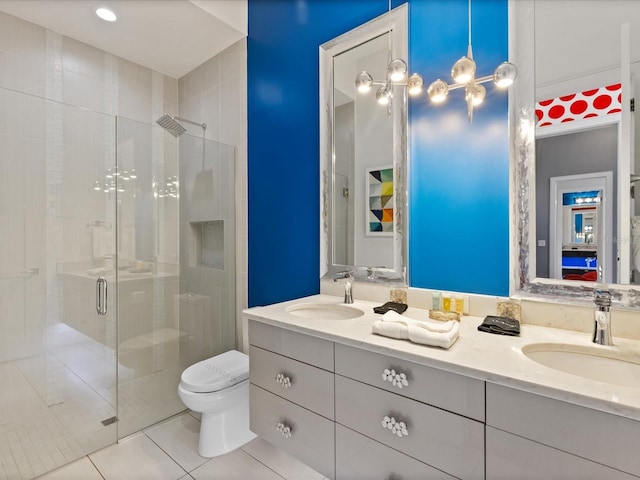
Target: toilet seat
(216, 373)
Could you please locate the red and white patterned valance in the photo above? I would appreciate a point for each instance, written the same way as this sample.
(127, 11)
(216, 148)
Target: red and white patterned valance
(577, 106)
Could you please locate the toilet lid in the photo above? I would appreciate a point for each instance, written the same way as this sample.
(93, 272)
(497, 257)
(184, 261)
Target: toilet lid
(216, 373)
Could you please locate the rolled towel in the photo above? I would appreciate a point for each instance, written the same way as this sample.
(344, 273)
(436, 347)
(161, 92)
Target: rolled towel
(390, 329)
(431, 325)
(419, 334)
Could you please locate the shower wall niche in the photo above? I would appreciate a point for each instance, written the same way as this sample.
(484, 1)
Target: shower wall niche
(207, 240)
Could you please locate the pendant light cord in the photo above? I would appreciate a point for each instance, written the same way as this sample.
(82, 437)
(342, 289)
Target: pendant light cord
(389, 28)
(469, 22)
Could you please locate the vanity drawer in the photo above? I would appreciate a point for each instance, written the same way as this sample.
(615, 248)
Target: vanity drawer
(360, 458)
(510, 456)
(602, 437)
(307, 386)
(312, 436)
(449, 391)
(442, 439)
(307, 349)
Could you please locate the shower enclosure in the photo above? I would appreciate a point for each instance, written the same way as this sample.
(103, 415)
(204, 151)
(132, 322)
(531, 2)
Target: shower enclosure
(117, 271)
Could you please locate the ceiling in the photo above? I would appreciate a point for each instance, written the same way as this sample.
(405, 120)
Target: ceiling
(169, 36)
(574, 39)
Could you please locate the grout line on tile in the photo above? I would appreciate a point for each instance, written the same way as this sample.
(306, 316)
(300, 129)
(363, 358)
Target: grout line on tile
(167, 453)
(166, 420)
(96, 467)
(257, 460)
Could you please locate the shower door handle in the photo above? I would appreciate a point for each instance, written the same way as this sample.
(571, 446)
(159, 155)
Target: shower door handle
(101, 296)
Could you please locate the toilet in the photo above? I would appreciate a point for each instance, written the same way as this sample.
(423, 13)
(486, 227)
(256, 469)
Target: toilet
(219, 389)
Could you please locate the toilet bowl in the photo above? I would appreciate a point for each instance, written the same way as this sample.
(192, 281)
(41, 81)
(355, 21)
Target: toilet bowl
(218, 388)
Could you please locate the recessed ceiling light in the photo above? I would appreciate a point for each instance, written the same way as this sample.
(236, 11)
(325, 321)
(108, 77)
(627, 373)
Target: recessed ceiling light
(106, 14)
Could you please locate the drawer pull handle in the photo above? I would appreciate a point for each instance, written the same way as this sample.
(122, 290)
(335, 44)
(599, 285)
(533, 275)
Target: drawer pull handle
(397, 379)
(284, 382)
(397, 428)
(284, 429)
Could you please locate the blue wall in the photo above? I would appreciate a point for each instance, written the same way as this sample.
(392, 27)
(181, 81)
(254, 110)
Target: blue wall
(459, 178)
(459, 175)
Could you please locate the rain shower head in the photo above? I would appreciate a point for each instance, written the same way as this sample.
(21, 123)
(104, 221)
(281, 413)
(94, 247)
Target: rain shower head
(171, 125)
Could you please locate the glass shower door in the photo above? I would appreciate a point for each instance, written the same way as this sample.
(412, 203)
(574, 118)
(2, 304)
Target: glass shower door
(148, 265)
(57, 228)
(176, 265)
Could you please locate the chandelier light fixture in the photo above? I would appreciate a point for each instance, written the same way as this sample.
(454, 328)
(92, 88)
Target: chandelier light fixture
(463, 73)
(397, 72)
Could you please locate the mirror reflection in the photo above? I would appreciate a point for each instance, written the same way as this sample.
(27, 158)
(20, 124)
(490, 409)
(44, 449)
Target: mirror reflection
(363, 200)
(364, 154)
(585, 62)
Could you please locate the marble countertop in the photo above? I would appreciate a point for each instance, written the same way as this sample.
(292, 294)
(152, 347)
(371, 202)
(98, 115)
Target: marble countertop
(493, 358)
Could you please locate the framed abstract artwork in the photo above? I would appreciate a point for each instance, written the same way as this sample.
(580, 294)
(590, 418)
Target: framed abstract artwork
(379, 201)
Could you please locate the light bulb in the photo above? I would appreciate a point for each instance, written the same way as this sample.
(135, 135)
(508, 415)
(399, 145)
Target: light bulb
(415, 84)
(475, 93)
(505, 74)
(463, 70)
(438, 91)
(364, 81)
(397, 70)
(382, 95)
(106, 14)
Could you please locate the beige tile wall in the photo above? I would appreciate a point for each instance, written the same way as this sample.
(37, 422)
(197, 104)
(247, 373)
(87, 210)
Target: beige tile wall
(216, 93)
(40, 62)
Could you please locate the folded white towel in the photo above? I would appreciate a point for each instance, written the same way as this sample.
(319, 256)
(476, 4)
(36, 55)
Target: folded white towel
(418, 334)
(431, 325)
(434, 333)
(391, 329)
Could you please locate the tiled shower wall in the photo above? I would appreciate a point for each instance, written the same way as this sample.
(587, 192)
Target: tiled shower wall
(216, 93)
(40, 62)
(46, 64)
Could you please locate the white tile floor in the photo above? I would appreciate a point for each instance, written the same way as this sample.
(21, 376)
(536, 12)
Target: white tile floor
(51, 405)
(169, 451)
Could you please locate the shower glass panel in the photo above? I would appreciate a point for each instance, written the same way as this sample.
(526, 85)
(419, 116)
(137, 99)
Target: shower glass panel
(57, 231)
(157, 225)
(148, 266)
(173, 308)
(206, 305)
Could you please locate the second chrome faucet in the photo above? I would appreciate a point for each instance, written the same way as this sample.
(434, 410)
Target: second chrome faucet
(602, 317)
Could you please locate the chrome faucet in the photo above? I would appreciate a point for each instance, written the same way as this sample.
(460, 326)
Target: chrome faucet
(348, 275)
(602, 317)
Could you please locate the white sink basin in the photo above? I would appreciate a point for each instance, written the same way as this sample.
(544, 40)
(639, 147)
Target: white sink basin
(324, 311)
(595, 363)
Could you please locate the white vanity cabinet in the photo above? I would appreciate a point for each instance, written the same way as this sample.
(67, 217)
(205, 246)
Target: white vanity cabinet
(291, 394)
(359, 457)
(531, 436)
(455, 393)
(446, 441)
(333, 421)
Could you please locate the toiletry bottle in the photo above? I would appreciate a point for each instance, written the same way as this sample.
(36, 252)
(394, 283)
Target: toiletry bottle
(459, 300)
(446, 302)
(436, 299)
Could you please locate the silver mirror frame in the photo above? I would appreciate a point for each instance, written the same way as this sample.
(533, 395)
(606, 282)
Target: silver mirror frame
(398, 22)
(522, 206)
